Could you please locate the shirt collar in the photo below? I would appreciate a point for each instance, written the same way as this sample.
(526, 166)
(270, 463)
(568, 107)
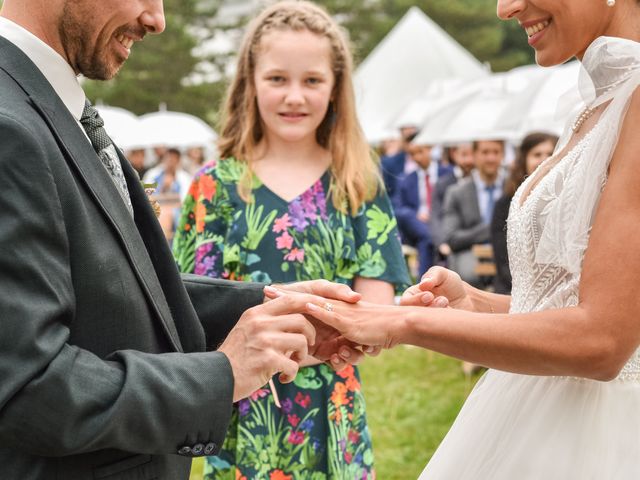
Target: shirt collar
(52, 65)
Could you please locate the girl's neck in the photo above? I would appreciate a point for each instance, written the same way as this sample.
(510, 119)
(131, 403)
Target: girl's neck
(291, 153)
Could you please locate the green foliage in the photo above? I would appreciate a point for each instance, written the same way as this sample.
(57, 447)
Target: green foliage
(159, 66)
(412, 398)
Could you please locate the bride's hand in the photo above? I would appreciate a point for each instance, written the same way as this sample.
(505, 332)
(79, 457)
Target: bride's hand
(439, 287)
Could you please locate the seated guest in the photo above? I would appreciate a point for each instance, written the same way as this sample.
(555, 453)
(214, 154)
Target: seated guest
(535, 148)
(468, 208)
(397, 165)
(412, 205)
(461, 159)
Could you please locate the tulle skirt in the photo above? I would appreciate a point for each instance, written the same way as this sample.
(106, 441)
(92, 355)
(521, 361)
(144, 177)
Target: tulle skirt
(553, 428)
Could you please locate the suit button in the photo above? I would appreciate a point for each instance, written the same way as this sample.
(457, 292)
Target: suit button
(185, 451)
(197, 449)
(210, 448)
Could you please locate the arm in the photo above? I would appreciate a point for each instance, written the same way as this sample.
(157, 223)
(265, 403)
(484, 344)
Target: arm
(56, 398)
(592, 340)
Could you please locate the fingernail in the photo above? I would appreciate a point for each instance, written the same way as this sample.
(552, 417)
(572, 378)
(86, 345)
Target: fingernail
(271, 290)
(312, 307)
(441, 302)
(344, 353)
(427, 298)
(369, 349)
(335, 359)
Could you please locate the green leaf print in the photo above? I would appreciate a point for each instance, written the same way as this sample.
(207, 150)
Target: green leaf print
(379, 225)
(230, 170)
(185, 247)
(308, 378)
(257, 227)
(231, 256)
(372, 265)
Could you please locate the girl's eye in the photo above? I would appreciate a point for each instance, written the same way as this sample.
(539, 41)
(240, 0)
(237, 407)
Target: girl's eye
(276, 79)
(313, 81)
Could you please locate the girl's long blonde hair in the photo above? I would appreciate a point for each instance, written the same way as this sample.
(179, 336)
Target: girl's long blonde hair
(354, 168)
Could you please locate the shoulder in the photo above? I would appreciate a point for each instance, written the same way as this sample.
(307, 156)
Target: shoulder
(462, 187)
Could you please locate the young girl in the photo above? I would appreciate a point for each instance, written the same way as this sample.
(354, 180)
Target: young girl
(296, 196)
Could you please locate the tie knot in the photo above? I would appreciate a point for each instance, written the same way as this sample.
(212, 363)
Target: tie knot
(94, 127)
(490, 188)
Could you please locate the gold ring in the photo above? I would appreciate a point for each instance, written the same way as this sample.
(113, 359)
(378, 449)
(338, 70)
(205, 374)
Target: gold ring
(328, 307)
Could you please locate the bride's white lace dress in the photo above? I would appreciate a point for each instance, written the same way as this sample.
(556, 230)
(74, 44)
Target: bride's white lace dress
(516, 427)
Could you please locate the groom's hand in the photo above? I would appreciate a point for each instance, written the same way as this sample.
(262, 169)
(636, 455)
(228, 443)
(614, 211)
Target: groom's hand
(330, 347)
(270, 338)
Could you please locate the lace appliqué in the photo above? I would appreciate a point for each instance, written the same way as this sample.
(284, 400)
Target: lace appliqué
(543, 286)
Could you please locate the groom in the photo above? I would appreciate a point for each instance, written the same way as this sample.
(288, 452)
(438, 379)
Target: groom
(103, 369)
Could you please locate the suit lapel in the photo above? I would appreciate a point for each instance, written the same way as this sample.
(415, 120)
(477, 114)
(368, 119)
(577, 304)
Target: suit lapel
(474, 202)
(84, 161)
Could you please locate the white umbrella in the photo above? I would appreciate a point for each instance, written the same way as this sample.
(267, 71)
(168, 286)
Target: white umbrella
(176, 129)
(122, 126)
(536, 108)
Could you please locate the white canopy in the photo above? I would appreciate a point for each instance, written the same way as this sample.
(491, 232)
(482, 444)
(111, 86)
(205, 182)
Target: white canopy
(502, 106)
(416, 52)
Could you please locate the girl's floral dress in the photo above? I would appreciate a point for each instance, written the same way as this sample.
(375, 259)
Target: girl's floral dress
(320, 432)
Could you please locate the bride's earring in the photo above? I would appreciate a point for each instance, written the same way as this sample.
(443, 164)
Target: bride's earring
(611, 3)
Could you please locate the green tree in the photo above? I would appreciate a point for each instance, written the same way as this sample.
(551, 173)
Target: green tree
(160, 67)
(473, 23)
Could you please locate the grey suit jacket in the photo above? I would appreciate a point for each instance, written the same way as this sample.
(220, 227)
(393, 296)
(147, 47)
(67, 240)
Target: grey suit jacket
(462, 223)
(94, 316)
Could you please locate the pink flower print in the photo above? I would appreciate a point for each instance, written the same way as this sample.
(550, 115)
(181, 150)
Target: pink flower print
(284, 241)
(303, 399)
(296, 438)
(281, 224)
(295, 255)
(263, 392)
(293, 419)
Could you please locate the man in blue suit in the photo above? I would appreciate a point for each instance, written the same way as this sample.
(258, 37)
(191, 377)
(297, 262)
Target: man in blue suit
(395, 167)
(412, 204)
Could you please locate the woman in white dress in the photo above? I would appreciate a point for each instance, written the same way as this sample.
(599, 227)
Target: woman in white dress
(562, 397)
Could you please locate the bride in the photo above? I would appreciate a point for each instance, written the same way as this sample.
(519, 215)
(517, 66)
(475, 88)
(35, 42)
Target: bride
(562, 397)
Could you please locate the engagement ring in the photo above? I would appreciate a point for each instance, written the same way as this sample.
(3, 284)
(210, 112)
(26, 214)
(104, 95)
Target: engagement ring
(328, 307)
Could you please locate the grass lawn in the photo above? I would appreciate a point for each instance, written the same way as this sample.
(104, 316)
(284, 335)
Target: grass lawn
(412, 397)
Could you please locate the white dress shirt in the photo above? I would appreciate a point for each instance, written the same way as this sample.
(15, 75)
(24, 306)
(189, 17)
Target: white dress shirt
(52, 65)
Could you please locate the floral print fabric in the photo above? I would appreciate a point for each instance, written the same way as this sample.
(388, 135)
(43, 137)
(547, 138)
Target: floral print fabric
(320, 430)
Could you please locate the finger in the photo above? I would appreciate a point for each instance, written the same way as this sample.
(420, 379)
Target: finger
(372, 351)
(413, 298)
(335, 291)
(291, 323)
(433, 278)
(440, 302)
(285, 304)
(290, 345)
(330, 318)
(350, 355)
(272, 292)
(288, 370)
(337, 363)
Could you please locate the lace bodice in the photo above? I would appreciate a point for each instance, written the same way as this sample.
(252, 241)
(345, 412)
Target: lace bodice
(542, 286)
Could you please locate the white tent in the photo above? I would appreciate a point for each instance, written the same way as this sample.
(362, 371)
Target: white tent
(416, 52)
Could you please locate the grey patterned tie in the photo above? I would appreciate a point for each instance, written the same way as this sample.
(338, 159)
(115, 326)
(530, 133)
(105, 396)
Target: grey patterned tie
(94, 127)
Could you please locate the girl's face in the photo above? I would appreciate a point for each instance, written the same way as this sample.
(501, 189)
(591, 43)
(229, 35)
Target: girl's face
(538, 154)
(294, 83)
(561, 29)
